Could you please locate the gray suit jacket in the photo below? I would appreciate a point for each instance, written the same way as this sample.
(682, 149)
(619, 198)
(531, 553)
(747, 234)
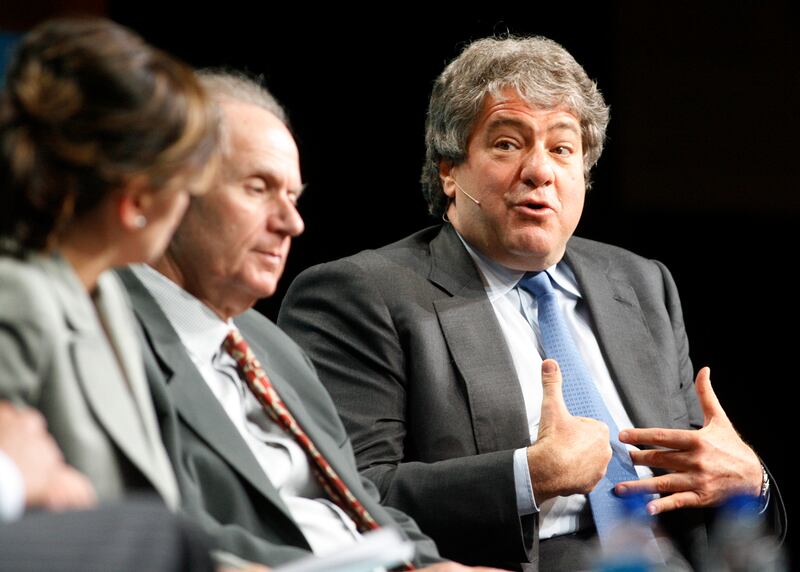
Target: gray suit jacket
(55, 356)
(134, 536)
(222, 485)
(406, 341)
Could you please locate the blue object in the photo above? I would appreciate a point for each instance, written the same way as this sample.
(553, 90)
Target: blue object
(582, 399)
(740, 540)
(8, 41)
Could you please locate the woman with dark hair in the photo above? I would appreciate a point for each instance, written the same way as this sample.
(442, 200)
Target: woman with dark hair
(102, 140)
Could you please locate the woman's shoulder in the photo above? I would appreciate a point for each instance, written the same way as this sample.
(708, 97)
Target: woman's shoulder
(27, 291)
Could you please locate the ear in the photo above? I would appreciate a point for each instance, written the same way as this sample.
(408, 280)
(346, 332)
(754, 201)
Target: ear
(134, 202)
(445, 169)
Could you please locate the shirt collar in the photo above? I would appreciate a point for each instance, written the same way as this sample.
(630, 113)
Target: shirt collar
(499, 280)
(200, 330)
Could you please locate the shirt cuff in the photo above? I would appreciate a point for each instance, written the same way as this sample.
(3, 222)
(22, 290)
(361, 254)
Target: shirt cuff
(526, 504)
(12, 490)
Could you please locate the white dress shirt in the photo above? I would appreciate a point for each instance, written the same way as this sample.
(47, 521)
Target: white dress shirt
(12, 490)
(517, 314)
(325, 526)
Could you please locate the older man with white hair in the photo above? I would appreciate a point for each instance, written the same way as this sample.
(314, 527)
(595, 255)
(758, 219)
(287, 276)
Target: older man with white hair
(262, 458)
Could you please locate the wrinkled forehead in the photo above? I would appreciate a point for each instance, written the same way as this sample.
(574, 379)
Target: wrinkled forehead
(507, 108)
(254, 137)
(535, 99)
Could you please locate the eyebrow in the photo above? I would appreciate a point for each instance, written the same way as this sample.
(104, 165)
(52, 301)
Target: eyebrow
(507, 121)
(568, 125)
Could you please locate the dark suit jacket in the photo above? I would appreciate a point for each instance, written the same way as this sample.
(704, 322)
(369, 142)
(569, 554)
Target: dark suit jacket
(222, 485)
(135, 536)
(406, 341)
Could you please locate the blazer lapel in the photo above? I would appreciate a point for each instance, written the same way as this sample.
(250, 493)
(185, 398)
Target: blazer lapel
(478, 347)
(201, 411)
(624, 339)
(114, 309)
(329, 449)
(193, 400)
(98, 371)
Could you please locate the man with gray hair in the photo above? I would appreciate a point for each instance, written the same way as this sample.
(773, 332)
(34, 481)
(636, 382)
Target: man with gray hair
(263, 461)
(436, 349)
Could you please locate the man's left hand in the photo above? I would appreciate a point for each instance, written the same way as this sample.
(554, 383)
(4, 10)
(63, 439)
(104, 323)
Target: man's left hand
(707, 465)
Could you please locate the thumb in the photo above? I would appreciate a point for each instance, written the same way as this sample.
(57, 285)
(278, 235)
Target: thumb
(553, 398)
(708, 399)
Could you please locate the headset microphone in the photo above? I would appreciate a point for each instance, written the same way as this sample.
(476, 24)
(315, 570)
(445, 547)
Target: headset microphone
(473, 199)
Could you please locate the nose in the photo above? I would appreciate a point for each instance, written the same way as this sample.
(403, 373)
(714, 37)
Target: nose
(537, 168)
(286, 218)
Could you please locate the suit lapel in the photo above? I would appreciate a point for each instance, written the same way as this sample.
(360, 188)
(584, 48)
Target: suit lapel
(330, 450)
(113, 307)
(478, 347)
(624, 339)
(105, 391)
(193, 400)
(201, 411)
(101, 375)
(261, 346)
(326, 445)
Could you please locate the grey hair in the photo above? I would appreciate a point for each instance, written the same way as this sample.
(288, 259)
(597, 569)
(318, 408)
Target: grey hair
(537, 68)
(233, 86)
(225, 85)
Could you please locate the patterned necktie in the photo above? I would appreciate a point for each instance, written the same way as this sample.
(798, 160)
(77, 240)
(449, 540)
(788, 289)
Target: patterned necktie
(256, 378)
(582, 399)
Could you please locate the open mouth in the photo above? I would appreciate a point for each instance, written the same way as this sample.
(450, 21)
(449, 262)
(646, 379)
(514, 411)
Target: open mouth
(535, 206)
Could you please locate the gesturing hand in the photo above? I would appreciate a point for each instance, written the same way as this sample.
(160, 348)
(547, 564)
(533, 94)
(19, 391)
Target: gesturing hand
(706, 466)
(571, 454)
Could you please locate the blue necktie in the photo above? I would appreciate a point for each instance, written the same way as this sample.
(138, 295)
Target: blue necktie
(582, 399)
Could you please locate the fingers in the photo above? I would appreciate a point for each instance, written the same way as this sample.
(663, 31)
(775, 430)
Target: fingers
(664, 459)
(664, 485)
(675, 501)
(21, 419)
(708, 399)
(7, 412)
(553, 397)
(69, 489)
(680, 439)
(33, 420)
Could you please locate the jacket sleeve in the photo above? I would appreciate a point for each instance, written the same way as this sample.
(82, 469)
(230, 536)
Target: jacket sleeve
(673, 305)
(26, 349)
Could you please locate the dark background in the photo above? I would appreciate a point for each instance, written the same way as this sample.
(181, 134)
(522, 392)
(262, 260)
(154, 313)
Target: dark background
(699, 169)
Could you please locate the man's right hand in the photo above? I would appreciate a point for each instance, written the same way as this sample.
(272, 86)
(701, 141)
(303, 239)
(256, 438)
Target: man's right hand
(49, 482)
(571, 454)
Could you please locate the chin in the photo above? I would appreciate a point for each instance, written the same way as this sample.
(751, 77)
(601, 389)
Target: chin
(533, 257)
(264, 289)
(261, 284)
(531, 247)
